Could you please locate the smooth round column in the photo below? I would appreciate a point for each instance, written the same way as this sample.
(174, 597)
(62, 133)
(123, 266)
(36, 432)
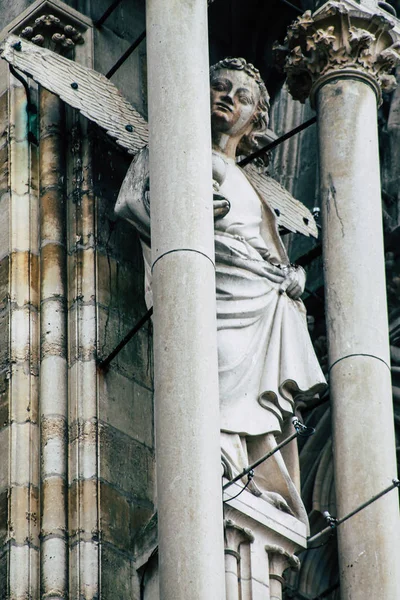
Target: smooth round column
(358, 341)
(185, 349)
(231, 575)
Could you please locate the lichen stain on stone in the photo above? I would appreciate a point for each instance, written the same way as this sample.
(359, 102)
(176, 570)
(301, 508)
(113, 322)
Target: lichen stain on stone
(53, 428)
(338, 91)
(331, 198)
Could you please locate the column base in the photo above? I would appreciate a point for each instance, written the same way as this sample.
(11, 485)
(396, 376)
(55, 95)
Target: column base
(260, 543)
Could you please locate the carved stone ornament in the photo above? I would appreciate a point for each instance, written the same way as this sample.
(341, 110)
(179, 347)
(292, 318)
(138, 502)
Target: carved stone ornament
(340, 38)
(236, 535)
(51, 32)
(293, 562)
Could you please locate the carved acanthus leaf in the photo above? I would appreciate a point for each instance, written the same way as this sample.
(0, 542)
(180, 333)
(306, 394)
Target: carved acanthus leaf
(360, 39)
(334, 38)
(321, 38)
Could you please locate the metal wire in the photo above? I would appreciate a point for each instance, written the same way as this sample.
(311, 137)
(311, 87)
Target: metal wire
(250, 476)
(334, 523)
(108, 12)
(301, 430)
(133, 46)
(126, 55)
(276, 142)
(296, 8)
(104, 363)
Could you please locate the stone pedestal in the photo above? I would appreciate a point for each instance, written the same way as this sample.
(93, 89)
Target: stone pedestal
(260, 542)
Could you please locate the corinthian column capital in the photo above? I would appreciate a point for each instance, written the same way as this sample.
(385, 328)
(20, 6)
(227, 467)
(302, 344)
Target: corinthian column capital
(340, 39)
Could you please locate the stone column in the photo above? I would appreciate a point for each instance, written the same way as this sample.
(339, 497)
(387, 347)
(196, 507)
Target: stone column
(84, 453)
(185, 355)
(343, 58)
(235, 538)
(279, 560)
(19, 440)
(53, 363)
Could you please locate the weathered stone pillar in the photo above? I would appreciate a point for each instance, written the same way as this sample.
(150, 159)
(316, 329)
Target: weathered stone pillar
(343, 57)
(19, 440)
(53, 363)
(185, 355)
(84, 463)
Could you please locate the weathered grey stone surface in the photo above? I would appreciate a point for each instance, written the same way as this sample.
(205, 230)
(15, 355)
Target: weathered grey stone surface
(346, 97)
(185, 352)
(92, 505)
(107, 258)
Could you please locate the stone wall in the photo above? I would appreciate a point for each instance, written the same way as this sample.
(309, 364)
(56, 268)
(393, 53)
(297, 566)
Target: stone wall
(125, 388)
(105, 441)
(4, 336)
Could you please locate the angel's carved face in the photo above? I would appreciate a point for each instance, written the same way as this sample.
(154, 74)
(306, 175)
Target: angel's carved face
(234, 101)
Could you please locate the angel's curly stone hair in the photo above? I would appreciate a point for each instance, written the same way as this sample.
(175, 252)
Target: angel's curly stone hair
(248, 143)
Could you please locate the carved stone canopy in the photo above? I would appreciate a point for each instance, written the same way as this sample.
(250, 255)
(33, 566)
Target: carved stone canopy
(54, 25)
(53, 33)
(341, 38)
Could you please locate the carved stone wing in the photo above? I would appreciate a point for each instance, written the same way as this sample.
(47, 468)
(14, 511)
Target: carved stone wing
(291, 213)
(100, 101)
(84, 89)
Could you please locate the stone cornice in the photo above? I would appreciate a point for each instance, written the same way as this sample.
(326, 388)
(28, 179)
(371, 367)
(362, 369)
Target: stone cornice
(339, 40)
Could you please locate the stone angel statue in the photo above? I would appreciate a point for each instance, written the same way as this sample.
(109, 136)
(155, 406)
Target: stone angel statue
(266, 360)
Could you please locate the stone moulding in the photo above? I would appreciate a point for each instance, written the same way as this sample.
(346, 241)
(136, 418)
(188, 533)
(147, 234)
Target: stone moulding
(292, 560)
(340, 39)
(237, 533)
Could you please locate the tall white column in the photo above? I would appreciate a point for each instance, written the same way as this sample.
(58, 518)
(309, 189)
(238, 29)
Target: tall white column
(345, 94)
(185, 354)
(358, 337)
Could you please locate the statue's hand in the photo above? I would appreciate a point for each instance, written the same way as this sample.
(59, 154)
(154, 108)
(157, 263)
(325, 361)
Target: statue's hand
(294, 282)
(221, 206)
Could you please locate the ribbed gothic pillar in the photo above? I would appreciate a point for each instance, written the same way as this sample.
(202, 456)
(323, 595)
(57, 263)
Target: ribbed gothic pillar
(342, 57)
(19, 440)
(53, 359)
(185, 354)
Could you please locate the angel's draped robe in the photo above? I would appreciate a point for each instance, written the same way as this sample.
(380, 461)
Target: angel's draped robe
(264, 349)
(266, 358)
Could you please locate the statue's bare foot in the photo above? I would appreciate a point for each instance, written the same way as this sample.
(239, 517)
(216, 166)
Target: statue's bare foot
(278, 501)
